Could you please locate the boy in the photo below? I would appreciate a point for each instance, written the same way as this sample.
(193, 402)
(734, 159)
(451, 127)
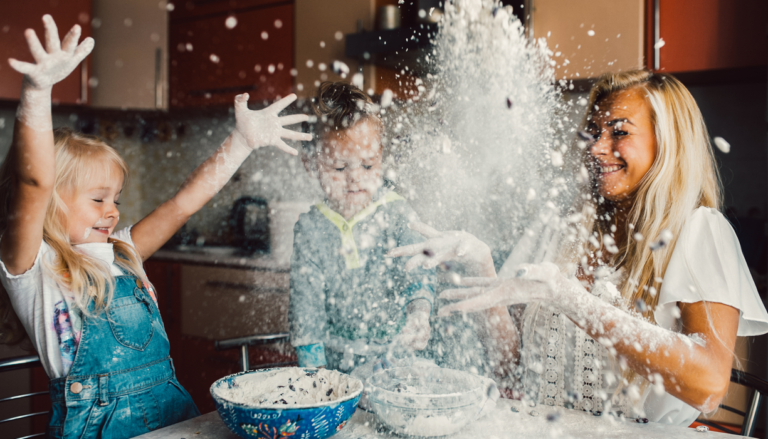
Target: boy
(350, 304)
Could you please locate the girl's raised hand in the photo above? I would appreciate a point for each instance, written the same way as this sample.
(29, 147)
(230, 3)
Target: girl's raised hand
(461, 247)
(54, 62)
(258, 128)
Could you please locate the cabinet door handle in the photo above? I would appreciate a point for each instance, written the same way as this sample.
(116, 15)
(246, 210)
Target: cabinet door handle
(84, 83)
(249, 287)
(656, 36)
(159, 98)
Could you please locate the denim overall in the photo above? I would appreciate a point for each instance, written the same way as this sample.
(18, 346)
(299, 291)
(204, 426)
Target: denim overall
(122, 382)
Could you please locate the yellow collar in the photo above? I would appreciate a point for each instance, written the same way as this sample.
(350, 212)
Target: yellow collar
(348, 245)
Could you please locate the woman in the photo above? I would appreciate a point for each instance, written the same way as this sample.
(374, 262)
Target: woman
(641, 311)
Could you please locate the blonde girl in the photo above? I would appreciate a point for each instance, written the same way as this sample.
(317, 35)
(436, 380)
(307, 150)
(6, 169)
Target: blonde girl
(640, 315)
(74, 281)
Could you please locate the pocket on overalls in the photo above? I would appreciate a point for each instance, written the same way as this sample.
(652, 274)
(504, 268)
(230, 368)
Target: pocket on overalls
(131, 322)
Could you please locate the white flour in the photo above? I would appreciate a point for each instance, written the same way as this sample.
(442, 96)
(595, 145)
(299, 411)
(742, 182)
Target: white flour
(290, 386)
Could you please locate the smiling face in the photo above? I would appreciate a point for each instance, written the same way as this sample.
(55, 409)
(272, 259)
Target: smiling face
(93, 212)
(348, 166)
(625, 143)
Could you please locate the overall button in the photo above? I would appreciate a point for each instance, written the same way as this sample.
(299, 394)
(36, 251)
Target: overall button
(76, 388)
(139, 283)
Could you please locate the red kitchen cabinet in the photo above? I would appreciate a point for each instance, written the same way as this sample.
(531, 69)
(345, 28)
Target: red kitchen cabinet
(707, 35)
(16, 17)
(215, 57)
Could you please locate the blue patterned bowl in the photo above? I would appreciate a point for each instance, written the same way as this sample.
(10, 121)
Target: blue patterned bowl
(317, 421)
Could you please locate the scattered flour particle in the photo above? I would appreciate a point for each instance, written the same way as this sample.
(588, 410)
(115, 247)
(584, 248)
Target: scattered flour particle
(659, 44)
(386, 98)
(230, 22)
(722, 145)
(591, 33)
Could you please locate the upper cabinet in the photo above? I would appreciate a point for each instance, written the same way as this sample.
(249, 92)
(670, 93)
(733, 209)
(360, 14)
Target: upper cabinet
(220, 49)
(590, 37)
(18, 16)
(129, 59)
(705, 35)
(320, 29)
(686, 37)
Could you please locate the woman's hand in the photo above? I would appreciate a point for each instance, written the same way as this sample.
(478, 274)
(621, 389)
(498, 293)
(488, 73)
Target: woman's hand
(460, 247)
(533, 283)
(259, 128)
(57, 60)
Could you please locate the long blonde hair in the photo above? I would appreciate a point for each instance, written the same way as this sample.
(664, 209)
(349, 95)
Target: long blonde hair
(78, 159)
(682, 178)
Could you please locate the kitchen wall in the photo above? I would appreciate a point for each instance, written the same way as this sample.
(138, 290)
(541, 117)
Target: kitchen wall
(736, 112)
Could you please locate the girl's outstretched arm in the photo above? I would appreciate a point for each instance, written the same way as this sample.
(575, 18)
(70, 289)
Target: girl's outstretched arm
(31, 156)
(254, 129)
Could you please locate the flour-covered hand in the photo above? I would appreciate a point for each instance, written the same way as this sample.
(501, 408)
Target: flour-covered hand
(461, 247)
(259, 128)
(532, 283)
(54, 62)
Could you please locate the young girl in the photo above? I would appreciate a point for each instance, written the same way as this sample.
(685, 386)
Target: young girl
(641, 314)
(78, 286)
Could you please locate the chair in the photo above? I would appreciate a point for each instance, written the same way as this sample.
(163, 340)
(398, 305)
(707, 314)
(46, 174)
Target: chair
(26, 362)
(760, 389)
(254, 340)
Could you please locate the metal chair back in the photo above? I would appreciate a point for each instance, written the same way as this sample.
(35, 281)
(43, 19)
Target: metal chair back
(25, 362)
(242, 343)
(760, 390)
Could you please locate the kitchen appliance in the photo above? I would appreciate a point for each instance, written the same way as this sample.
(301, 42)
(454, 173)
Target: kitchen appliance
(250, 216)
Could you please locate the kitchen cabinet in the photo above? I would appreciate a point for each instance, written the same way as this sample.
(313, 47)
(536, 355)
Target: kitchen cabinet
(18, 16)
(590, 37)
(216, 54)
(201, 303)
(129, 60)
(320, 30)
(706, 35)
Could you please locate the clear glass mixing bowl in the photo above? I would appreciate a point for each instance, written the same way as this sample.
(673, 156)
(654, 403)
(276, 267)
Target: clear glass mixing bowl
(428, 401)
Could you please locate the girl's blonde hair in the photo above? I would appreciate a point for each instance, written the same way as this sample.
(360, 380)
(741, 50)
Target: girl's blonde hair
(79, 158)
(682, 178)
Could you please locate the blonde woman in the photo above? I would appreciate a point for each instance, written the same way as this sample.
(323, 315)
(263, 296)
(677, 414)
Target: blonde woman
(75, 281)
(636, 301)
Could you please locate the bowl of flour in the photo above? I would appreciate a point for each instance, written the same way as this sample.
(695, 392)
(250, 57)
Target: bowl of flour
(429, 402)
(289, 401)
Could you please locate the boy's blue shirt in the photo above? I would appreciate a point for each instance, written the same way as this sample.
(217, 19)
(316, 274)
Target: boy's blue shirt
(342, 285)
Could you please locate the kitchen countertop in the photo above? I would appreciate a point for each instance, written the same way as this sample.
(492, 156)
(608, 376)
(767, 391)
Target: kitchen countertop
(226, 257)
(500, 423)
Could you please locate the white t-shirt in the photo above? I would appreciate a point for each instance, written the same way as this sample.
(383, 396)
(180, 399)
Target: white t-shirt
(706, 265)
(48, 312)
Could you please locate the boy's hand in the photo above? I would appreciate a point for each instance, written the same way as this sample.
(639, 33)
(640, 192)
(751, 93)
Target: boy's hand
(264, 127)
(416, 332)
(57, 60)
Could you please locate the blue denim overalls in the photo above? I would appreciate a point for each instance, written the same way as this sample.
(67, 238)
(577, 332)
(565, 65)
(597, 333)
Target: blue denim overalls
(122, 383)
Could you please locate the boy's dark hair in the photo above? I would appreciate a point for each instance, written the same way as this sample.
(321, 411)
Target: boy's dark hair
(338, 106)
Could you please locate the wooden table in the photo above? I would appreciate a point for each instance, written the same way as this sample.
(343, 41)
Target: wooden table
(501, 423)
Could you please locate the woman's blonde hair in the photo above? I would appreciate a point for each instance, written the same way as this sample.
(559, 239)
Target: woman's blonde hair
(683, 177)
(79, 158)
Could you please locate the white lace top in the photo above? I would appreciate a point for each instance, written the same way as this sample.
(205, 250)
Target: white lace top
(565, 367)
